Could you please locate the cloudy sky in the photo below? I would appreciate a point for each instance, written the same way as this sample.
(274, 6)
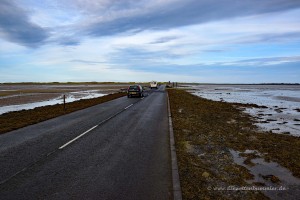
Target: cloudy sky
(210, 41)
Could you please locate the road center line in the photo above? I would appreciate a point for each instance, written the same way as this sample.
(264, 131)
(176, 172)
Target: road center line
(66, 144)
(79, 136)
(128, 106)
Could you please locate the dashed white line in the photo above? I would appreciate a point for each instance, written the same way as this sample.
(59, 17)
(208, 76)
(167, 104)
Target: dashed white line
(79, 136)
(66, 144)
(128, 106)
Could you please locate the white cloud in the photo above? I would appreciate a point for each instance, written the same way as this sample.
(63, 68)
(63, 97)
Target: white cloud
(121, 39)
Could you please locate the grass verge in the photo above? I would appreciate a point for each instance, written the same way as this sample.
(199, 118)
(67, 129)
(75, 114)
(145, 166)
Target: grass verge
(15, 120)
(205, 131)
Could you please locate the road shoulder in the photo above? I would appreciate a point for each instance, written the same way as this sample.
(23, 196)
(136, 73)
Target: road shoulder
(175, 175)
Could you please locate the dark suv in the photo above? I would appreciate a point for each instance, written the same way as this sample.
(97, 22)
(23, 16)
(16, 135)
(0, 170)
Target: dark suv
(135, 90)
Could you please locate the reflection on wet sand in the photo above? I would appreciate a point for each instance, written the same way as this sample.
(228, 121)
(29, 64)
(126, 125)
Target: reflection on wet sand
(14, 97)
(277, 105)
(268, 174)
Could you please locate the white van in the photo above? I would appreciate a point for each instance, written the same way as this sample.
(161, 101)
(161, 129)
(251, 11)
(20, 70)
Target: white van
(153, 84)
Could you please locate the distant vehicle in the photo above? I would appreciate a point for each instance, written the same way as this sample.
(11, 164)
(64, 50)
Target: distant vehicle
(135, 90)
(153, 84)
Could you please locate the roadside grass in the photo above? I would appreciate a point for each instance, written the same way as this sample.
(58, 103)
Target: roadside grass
(205, 131)
(18, 119)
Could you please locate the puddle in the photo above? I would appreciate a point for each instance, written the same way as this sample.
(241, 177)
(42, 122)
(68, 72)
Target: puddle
(263, 171)
(277, 122)
(69, 98)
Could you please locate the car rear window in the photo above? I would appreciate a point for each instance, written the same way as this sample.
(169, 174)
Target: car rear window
(134, 87)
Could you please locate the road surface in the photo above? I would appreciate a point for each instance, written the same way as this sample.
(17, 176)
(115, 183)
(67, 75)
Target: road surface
(115, 150)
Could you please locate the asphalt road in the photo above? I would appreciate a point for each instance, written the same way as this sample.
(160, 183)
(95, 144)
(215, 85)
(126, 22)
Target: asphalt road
(115, 150)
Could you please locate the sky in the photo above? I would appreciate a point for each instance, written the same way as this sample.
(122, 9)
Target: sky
(204, 41)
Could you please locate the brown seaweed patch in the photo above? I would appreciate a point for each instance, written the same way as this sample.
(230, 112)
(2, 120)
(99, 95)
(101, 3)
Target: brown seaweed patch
(212, 134)
(248, 105)
(283, 123)
(297, 109)
(278, 110)
(272, 178)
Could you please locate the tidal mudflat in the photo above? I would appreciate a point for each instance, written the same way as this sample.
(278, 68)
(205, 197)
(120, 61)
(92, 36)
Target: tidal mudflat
(15, 97)
(276, 108)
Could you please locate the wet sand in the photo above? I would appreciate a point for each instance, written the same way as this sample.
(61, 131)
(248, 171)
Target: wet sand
(27, 98)
(16, 95)
(275, 107)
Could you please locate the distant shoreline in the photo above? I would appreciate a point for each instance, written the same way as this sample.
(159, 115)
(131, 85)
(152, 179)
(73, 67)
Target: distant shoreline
(95, 83)
(240, 83)
(61, 83)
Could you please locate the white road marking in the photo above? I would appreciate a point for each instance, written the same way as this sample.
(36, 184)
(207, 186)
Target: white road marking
(79, 136)
(128, 106)
(63, 146)
(143, 98)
